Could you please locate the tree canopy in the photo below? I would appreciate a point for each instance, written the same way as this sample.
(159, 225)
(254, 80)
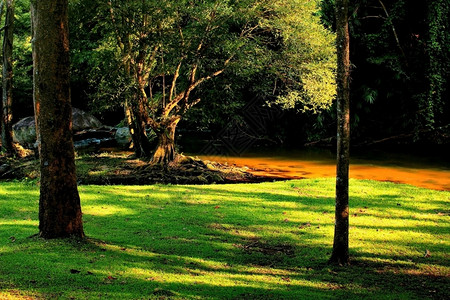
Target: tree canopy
(155, 57)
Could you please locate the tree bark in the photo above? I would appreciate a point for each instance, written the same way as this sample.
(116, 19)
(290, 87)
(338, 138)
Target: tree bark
(340, 254)
(7, 137)
(165, 151)
(137, 123)
(59, 203)
(2, 4)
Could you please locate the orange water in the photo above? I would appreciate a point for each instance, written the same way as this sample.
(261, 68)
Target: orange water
(312, 167)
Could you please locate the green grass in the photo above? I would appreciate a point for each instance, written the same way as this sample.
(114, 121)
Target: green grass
(255, 241)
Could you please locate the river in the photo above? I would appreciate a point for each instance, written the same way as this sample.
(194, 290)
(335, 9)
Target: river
(423, 170)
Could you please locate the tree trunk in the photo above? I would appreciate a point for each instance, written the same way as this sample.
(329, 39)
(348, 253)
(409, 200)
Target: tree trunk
(7, 137)
(137, 125)
(165, 151)
(2, 4)
(340, 253)
(59, 203)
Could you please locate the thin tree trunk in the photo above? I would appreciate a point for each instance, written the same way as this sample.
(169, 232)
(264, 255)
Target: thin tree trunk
(59, 203)
(2, 4)
(340, 254)
(7, 137)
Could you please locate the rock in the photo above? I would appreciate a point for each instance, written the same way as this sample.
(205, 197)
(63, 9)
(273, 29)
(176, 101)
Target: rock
(24, 131)
(95, 133)
(123, 137)
(83, 120)
(87, 145)
(93, 144)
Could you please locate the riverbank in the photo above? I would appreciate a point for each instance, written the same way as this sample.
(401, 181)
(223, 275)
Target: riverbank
(119, 167)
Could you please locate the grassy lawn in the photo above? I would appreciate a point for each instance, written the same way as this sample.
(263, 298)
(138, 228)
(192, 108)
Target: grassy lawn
(254, 241)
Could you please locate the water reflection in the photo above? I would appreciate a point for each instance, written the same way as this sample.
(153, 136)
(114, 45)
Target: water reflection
(428, 171)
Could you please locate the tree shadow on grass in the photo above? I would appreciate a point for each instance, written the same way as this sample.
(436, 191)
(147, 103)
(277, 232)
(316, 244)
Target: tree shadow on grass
(176, 243)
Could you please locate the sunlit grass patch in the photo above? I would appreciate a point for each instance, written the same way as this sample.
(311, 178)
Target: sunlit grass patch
(255, 241)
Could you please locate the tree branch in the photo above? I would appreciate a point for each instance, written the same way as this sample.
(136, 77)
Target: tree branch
(116, 30)
(394, 31)
(174, 81)
(185, 94)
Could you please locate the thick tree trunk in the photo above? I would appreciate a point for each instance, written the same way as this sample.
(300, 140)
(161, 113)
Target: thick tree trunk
(59, 203)
(7, 137)
(340, 253)
(165, 151)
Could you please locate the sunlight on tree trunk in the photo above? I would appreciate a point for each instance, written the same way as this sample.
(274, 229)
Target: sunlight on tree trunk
(59, 204)
(165, 151)
(340, 253)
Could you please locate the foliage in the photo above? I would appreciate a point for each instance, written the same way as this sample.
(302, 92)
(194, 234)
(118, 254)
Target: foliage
(23, 64)
(400, 56)
(229, 241)
(270, 43)
(438, 73)
(306, 61)
(22, 61)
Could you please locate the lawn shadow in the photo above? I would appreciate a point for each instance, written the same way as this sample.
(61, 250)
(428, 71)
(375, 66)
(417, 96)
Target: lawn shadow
(188, 241)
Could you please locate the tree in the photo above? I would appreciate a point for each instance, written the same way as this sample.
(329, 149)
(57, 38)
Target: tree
(162, 56)
(177, 46)
(7, 139)
(59, 203)
(401, 53)
(340, 253)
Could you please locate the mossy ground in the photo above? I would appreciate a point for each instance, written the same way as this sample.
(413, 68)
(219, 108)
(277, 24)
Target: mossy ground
(245, 241)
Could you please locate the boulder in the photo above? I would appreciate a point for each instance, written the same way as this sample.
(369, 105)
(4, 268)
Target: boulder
(24, 131)
(123, 137)
(83, 120)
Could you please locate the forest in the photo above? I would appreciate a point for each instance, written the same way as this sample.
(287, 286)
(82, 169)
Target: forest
(185, 149)
(399, 56)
